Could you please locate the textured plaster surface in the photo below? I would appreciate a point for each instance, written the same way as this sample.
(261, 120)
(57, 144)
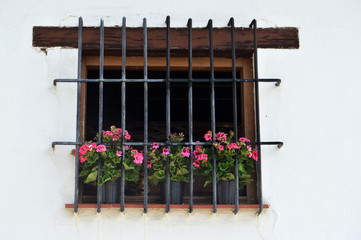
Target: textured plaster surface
(312, 184)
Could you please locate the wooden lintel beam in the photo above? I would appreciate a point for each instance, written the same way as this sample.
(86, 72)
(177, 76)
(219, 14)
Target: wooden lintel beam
(45, 37)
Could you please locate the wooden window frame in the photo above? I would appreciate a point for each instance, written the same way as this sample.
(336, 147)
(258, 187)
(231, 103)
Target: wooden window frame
(243, 65)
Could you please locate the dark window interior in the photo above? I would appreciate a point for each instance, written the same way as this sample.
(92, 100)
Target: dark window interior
(157, 115)
(157, 104)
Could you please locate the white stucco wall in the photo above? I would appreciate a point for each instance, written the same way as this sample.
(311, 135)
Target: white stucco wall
(312, 184)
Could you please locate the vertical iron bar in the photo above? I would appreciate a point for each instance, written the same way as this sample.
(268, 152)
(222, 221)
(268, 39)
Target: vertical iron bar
(235, 115)
(190, 113)
(168, 113)
(258, 132)
(122, 177)
(78, 108)
(100, 124)
(213, 114)
(145, 115)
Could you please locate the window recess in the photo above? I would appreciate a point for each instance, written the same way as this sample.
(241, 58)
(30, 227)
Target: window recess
(168, 81)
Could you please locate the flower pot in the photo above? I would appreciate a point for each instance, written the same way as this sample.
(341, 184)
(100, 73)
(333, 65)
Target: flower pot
(111, 192)
(176, 192)
(226, 192)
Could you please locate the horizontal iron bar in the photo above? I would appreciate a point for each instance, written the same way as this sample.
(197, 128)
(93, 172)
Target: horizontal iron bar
(276, 80)
(279, 144)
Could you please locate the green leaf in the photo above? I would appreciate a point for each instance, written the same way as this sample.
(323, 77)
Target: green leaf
(116, 159)
(153, 180)
(182, 171)
(109, 165)
(103, 179)
(206, 183)
(91, 177)
(127, 167)
(230, 176)
(131, 176)
(173, 171)
(241, 168)
(160, 175)
(223, 166)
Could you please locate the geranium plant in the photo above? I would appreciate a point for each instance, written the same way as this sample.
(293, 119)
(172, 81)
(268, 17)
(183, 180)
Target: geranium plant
(90, 153)
(179, 160)
(225, 152)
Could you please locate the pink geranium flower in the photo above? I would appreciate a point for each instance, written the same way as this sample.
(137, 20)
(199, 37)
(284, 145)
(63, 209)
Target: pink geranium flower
(118, 131)
(83, 149)
(138, 158)
(185, 152)
(232, 145)
(202, 157)
(119, 153)
(82, 159)
(107, 133)
(127, 136)
(155, 145)
(243, 139)
(221, 136)
(101, 148)
(92, 146)
(197, 151)
(255, 155)
(196, 163)
(149, 165)
(220, 147)
(208, 136)
(165, 151)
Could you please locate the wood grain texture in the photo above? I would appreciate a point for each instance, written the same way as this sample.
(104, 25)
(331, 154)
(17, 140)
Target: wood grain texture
(45, 37)
(249, 124)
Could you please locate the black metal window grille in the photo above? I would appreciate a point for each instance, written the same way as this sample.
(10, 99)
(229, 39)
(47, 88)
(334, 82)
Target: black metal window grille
(123, 80)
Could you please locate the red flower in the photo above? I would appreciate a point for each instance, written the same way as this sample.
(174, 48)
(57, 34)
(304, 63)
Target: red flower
(149, 165)
(185, 152)
(243, 139)
(83, 149)
(165, 151)
(101, 148)
(208, 136)
(138, 158)
(83, 159)
(221, 136)
(255, 155)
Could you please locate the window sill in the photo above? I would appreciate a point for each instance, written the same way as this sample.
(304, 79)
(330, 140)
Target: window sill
(178, 206)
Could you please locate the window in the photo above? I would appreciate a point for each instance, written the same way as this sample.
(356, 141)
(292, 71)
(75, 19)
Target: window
(157, 113)
(231, 71)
